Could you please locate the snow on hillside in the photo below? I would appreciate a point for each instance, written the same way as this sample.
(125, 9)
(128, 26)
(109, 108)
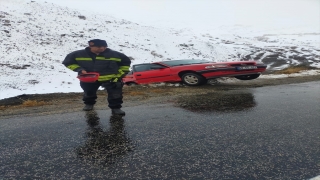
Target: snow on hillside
(35, 37)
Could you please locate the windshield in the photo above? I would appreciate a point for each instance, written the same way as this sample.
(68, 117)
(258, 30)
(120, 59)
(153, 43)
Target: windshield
(184, 62)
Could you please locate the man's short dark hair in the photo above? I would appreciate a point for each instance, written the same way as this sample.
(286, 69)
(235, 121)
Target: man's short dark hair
(98, 43)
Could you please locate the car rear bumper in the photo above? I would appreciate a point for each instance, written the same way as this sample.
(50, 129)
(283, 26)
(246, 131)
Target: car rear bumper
(222, 72)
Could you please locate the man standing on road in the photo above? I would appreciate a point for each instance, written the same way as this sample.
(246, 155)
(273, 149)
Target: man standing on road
(111, 66)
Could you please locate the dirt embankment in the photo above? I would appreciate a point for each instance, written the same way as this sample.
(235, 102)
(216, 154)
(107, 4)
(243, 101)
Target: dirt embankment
(133, 96)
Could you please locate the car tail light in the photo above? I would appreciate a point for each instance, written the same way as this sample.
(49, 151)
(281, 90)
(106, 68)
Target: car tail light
(221, 65)
(217, 66)
(209, 67)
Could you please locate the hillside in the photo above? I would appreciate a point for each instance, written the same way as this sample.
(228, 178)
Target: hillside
(35, 38)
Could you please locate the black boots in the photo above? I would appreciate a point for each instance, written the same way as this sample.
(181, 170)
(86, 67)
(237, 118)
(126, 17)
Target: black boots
(118, 112)
(88, 107)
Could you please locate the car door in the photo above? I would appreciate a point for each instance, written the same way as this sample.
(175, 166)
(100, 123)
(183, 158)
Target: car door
(151, 73)
(129, 78)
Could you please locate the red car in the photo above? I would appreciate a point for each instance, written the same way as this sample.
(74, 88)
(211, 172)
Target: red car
(192, 72)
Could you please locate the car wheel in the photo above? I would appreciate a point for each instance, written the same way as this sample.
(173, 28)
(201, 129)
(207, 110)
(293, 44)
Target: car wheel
(131, 84)
(248, 77)
(192, 79)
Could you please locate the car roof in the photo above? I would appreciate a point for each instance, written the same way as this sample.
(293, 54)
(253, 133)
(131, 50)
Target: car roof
(171, 62)
(181, 60)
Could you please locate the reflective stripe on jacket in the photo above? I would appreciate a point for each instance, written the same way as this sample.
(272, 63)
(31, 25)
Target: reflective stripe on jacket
(109, 64)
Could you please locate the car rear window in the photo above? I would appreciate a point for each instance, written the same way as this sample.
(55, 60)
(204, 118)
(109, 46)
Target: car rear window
(184, 62)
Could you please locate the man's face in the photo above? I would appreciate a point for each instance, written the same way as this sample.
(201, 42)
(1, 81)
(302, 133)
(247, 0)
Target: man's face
(97, 49)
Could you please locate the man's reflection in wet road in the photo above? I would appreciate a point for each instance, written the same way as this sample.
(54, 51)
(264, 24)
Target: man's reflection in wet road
(103, 147)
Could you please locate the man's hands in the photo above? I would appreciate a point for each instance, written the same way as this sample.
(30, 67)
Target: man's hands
(124, 75)
(83, 72)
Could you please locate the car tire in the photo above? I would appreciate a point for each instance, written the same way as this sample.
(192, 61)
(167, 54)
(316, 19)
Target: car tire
(192, 79)
(248, 77)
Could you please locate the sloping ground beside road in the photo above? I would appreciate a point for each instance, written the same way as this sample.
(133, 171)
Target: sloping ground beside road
(133, 96)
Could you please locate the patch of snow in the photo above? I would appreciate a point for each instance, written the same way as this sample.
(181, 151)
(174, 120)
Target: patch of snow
(315, 178)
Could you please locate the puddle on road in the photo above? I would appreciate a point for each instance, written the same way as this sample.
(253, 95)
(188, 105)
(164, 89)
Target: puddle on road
(217, 101)
(104, 146)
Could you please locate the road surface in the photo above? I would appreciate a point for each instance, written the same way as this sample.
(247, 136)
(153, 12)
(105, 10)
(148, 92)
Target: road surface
(260, 133)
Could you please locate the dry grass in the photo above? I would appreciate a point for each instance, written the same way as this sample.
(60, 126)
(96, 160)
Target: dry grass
(143, 91)
(3, 107)
(135, 93)
(26, 103)
(32, 103)
(158, 90)
(294, 69)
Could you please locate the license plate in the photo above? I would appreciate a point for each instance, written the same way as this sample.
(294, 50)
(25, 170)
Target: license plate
(246, 67)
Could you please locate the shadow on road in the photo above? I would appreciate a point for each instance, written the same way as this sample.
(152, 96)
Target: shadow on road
(104, 147)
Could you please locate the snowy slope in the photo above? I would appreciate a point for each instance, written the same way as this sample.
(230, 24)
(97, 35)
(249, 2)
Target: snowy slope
(35, 37)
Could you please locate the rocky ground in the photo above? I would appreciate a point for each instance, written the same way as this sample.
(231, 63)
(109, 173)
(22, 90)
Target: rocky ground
(133, 96)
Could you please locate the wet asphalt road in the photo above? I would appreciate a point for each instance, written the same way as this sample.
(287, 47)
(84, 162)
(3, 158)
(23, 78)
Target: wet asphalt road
(273, 134)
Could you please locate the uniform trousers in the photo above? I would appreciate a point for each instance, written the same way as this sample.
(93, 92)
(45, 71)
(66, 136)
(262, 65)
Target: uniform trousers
(113, 89)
